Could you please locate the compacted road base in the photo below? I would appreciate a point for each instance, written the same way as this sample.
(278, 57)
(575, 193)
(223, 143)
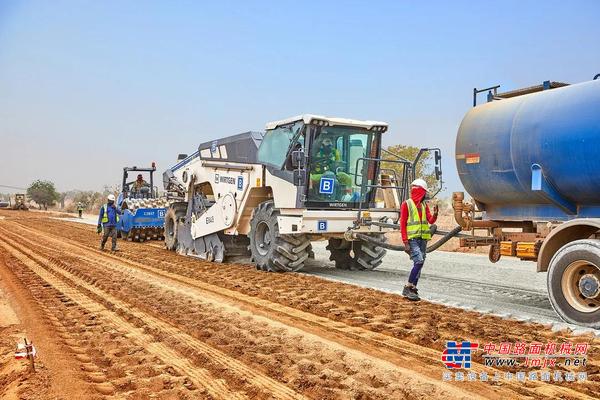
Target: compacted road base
(147, 323)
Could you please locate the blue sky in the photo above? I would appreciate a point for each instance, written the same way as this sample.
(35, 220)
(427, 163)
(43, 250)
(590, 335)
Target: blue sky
(88, 87)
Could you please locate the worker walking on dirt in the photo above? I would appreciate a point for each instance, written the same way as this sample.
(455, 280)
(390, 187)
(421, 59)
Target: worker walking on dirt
(107, 220)
(80, 209)
(415, 218)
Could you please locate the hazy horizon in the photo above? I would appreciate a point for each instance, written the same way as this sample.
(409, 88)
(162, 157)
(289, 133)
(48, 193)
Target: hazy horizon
(91, 87)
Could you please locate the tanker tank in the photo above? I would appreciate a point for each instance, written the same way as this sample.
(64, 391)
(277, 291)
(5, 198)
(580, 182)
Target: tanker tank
(534, 157)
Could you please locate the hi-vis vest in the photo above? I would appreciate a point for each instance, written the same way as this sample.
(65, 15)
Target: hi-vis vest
(105, 214)
(415, 227)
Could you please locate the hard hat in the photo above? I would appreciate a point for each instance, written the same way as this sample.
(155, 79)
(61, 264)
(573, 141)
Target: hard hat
(420, 183)
(111, 197)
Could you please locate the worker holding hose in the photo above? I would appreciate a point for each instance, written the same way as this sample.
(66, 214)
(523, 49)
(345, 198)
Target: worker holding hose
(415, 218)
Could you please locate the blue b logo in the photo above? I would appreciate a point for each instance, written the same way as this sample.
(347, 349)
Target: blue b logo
(240, 183)
(321, 226)
(326, 185)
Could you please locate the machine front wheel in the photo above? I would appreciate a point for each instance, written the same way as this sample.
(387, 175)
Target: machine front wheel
(574, 282)
(272, 251)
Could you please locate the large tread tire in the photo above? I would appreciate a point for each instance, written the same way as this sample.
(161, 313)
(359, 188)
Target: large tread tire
(339, 253)
(170, 229)
(367, 256)
(586, 251)
(277, 253)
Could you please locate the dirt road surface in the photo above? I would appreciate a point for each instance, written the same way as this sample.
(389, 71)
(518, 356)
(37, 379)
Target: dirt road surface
(146, 323)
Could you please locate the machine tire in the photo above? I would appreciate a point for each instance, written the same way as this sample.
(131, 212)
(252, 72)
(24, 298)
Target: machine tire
(368, 256)
(570, 264)
(339, 253)
(171, 229)
(270, 250)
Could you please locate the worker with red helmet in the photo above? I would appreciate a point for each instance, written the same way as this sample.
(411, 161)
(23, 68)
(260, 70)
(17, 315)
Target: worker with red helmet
(415, 218)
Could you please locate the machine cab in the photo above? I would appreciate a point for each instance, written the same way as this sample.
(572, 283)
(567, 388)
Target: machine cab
(329, 159)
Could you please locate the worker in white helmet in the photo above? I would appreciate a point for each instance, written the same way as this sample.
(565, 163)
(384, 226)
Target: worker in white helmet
(415, 218)
(107, 221)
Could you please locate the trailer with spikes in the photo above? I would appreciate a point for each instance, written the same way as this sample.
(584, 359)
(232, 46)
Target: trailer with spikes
(143, 210)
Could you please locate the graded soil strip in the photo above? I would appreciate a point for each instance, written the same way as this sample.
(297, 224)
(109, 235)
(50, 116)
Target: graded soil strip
(362, 323)
(424, 324)
(423, 360)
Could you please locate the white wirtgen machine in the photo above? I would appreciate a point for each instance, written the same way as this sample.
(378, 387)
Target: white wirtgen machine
(268, 195)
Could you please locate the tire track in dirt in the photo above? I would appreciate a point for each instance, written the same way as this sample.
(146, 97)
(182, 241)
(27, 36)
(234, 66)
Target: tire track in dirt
(215, 387)
(401, 351)
(455, 393)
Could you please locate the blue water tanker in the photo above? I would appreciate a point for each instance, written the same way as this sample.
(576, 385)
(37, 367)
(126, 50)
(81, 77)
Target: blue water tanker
(530, 159)
(534, 156)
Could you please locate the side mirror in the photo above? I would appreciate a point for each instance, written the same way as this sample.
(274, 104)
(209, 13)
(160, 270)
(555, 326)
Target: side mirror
(299, 177)
(181, 156)
(437, 156)
(298, 159)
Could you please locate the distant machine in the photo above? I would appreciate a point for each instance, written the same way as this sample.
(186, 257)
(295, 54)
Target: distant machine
(144, 211)
(18, 202)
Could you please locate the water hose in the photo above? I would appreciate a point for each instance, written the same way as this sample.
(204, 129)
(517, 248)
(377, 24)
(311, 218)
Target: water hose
(398, 247)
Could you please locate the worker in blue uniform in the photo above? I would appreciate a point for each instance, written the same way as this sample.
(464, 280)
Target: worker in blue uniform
(107, 222)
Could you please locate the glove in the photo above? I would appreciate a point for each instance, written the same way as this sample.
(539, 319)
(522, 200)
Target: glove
(407, 248)
(99, 229)
(436, 209)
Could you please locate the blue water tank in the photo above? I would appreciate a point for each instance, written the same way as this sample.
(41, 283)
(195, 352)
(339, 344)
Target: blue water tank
(534, 157)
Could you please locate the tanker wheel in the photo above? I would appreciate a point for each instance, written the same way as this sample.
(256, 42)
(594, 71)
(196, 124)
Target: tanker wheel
(339, 253)
(574, 282)
(368, 256)
(171, 229)
(270, 250)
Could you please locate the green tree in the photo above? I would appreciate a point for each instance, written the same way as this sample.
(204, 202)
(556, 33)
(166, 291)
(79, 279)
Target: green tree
(424, 168)
(43, 193)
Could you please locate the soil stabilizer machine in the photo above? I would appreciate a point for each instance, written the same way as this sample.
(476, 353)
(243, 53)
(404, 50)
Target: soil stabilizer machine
(268, 195)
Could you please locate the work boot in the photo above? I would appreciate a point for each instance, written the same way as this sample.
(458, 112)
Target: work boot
(101, 248)
(410, 293)
(115, 249)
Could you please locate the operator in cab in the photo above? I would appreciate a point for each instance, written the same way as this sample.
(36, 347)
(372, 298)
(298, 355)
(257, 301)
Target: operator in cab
(326, 161)
(415, 218)
(139, 183)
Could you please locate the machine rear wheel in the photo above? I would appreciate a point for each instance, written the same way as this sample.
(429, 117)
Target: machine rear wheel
(339, 253)
(367, 256)
(574, 282)
(272, 251)
(171, 229)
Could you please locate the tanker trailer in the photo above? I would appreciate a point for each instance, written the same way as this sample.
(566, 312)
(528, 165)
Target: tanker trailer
(530, 159)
